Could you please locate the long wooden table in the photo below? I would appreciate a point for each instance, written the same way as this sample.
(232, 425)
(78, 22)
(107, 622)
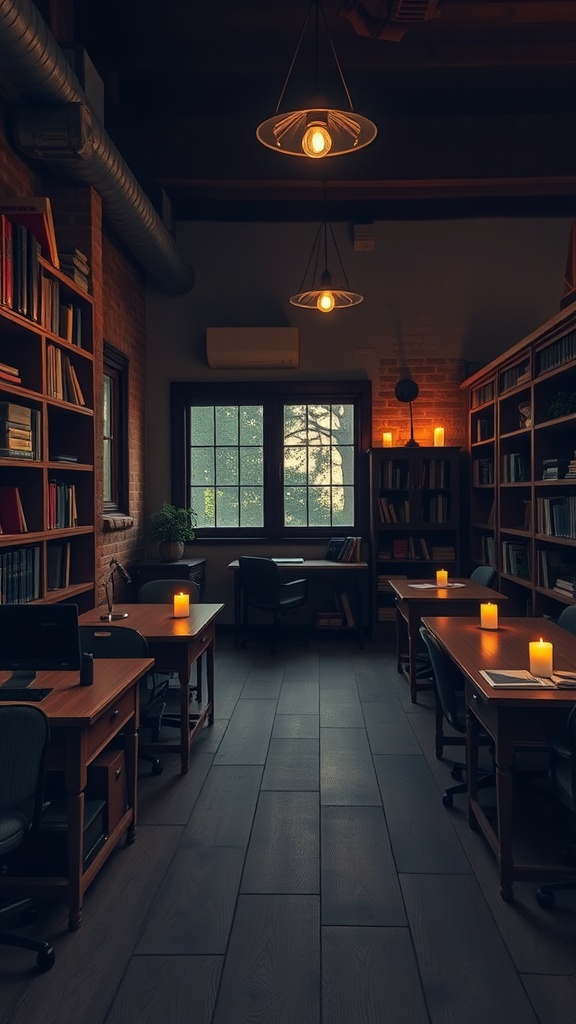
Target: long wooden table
(175, 644)
(511, 718)
(412, 604)
(83, 721)
(338, 575)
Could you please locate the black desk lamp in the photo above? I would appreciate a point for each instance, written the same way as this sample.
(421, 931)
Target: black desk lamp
(115, 567)
(406, 391)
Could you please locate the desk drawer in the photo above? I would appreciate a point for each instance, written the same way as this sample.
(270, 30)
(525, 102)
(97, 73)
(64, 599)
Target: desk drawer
(202, 641)
(111, 721)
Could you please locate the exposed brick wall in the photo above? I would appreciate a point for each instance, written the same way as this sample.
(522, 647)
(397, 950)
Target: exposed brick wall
(440, 401)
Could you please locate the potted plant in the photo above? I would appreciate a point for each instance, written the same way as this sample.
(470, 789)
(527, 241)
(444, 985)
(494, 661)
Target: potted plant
(171, 528)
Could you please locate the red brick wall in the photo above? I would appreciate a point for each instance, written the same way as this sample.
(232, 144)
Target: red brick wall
(440, 402)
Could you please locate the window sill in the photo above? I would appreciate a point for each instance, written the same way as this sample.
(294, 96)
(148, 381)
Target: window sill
(117, 522)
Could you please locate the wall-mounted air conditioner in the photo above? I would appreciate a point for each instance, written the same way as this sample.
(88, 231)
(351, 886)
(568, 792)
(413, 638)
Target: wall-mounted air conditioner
(231, 348)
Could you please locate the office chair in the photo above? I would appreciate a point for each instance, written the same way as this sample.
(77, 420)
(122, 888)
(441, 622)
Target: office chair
(162, 592)
(108, 641)
(24, 733)
(262, 588)
(567, 618)
(562, 747)
(450, 705)
(485, 575)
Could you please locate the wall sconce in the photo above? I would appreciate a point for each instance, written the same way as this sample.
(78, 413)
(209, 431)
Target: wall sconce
(318, 130)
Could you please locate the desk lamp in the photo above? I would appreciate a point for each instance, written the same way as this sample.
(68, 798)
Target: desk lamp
(115, 567)
(406, 391)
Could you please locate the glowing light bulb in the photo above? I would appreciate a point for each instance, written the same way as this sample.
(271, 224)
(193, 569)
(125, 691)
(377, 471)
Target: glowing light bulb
(325, 302)
(316, 141)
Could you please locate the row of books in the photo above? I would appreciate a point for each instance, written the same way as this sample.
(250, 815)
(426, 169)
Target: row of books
(487, 550)
(482, 472)
(515, 560)
(515, 468)
(344, 549)
(514, 375)
(436, 508)
(560, 351)
(20, 575)
(554, 567)
(483, 394)
(19, 431)
(26, 232)
(60, 316)
(484, 429)
(435, 473)
(416, 548)
(58, 566)
(12, 518)
(395, 474)
(61, 378)
(62, 510)
(394, 511)
(557, 516)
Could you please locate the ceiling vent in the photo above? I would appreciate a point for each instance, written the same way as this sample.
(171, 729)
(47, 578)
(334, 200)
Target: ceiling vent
(414, 10)
(252, 348)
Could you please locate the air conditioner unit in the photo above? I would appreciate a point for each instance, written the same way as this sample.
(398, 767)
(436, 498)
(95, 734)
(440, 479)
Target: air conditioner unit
(235, 348)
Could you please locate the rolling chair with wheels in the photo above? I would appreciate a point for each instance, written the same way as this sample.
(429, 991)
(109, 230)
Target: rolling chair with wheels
(562, 748)
(262, 588)
(24, 733)
(450, 705)
(162, 592)
(108, 641)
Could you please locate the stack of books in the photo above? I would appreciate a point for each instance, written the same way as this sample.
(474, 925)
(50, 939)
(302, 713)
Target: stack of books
(566, 584)
(10, 373)
(16, 431)
(554, 469)
(75, 265)
(570, 473)
(344, 549)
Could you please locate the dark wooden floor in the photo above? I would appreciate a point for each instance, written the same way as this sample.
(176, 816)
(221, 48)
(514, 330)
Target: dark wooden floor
(305, 871)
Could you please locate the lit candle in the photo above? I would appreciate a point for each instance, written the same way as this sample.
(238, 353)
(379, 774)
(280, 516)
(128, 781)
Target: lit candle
(441, 577)
(181, 606)
(540, 657)
(438, 437)
(489, 616)
(387, 438)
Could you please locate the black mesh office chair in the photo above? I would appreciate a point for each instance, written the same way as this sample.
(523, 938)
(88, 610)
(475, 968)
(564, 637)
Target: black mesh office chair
(485, 575)
(107, 641)
(262, 588)
(450, 705)
(24, 733)
(162, 592)
(562, 748)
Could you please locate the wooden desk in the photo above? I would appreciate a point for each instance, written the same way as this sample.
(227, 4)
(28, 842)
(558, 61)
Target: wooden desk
(320, 570)
(510, 717)
(83, 721)
(175, 644)
(413, 604)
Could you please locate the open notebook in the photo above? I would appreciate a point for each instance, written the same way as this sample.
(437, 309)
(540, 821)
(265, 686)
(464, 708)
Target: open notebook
(524, 680)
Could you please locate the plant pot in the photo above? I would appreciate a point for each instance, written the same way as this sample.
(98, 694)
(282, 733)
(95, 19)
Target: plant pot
(171, 550)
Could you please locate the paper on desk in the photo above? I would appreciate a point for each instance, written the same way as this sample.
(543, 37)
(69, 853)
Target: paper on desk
(504, 678)
(564, 680)
(435, 586)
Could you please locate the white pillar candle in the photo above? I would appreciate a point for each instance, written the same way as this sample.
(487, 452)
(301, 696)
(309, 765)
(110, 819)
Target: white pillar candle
(489, 615)
(541, 656)
(441, 577)
(438, 437)
(181, 606)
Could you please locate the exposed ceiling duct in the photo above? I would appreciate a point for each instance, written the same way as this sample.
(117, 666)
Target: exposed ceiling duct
(36, 68)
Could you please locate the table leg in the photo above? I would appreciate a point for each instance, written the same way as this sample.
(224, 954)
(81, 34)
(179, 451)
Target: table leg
(131, 756)
(472, 732)
(75, 806)
(237, 608)
(504, 757)
(184, 678)
(210, 681)
(413, 624)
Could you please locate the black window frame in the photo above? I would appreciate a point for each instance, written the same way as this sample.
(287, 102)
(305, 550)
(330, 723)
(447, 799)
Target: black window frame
(272, 395)
(115, 366)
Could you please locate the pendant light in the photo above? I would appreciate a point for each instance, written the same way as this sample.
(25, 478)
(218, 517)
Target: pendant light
(321, 292)
(318, 130)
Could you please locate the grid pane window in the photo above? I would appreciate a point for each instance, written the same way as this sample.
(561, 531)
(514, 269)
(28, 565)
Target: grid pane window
(226, 466)
(319, 456)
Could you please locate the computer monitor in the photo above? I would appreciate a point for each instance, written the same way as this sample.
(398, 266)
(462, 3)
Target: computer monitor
(36, 638)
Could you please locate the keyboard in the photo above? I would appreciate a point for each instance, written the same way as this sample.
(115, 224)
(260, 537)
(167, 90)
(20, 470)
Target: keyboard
(21, 693)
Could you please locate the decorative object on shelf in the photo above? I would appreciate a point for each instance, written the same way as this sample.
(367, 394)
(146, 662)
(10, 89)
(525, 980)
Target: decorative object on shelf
(525, 410)
(441, 577)
(563, 404)
(541, 655)
(407, 390)
(489, 616)
(181, 606)
(317, 131)
(438, 437)
(171, 528)
(320, 292)
(386, 438)
(116, 567)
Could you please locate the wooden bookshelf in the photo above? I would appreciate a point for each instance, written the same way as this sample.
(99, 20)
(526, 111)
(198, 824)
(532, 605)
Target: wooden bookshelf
(521, 445)
(415, 520)
(47, 338)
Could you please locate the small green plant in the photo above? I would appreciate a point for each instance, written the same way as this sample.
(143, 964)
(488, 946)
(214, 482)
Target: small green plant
(172, 524)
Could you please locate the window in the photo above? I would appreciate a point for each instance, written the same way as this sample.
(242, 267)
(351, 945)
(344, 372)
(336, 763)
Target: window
(115, 440)
(271, 459)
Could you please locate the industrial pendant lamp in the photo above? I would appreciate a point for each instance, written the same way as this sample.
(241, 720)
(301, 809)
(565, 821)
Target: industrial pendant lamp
(322, 293)
(319, 130)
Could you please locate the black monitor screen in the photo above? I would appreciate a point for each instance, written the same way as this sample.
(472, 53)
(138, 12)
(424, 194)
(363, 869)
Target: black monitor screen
(39, 637)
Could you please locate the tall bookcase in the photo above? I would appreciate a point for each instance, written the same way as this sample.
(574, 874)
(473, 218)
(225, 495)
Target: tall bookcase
(522, 441)
(415, 520)
(47, 543)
